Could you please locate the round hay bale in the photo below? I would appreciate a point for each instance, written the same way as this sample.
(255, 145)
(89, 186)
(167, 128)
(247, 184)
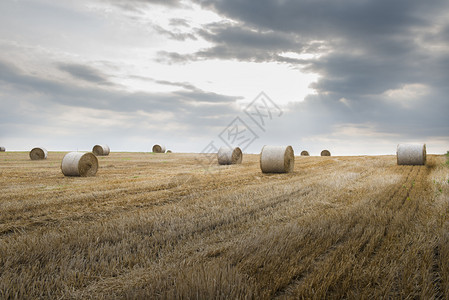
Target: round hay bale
(101, 150)
(304, 153)
(79, 164)
(159, 149)
(38, 153)
(277, 159)
(229, 156)
(325, 153)
(411, 154)
(169, 151)
(2, 149)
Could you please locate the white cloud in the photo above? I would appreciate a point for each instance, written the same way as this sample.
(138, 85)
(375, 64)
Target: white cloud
(408, 94)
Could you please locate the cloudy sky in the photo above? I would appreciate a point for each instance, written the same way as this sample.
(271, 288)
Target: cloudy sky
(352, 76)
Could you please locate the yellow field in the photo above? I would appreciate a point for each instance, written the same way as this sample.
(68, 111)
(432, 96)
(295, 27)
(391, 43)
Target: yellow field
(161, 226)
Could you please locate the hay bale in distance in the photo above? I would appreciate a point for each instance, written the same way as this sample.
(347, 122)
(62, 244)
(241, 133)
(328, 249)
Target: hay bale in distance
(38, 153)
(229, 156)
(159, 148)
(304, 153)
(79, 164)
(277, 159)
(101, 150)
(411, 154)
(169, 151)
(325, 153)
(2, 149)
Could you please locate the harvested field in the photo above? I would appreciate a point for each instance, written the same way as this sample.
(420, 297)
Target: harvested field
(162, 226)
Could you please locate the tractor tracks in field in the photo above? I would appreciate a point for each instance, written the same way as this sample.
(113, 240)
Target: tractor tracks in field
(436, 277)
(340, 241)
(316, 258)
(264, 207)
(396, 199)
(396, 195)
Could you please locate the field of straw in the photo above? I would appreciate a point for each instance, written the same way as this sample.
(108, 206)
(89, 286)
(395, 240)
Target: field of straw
(168, 226)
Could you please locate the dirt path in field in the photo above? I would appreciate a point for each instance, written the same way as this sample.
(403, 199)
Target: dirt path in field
(164, 228)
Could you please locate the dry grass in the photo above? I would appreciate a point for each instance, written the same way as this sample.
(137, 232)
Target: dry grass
(160, 226)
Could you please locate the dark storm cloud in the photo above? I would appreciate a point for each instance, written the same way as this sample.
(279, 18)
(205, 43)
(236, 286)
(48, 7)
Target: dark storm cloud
(367, 48)
(238, 36)
(356, 75)
(418, 118)
(196, 94)
(85, 73)
(203, 96)
(242, 43)
(13, 78)
(178, 22)
(178, 36)
(194, 105)
(366, 33)
(327, 18)
(174, 57)
(373, 45)
(377, 28)
(193, 93)
(184, 85)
